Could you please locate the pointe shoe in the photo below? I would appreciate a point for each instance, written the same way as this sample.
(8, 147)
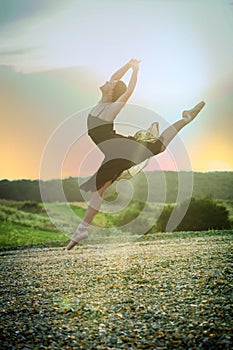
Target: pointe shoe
(192, 113)
(77, 237)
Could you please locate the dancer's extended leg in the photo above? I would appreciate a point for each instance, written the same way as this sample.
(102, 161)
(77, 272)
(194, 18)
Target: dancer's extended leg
(168, 135)
(93, 208)
(187, 116)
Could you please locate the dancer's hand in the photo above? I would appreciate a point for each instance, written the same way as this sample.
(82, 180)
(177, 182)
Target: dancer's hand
(134, 60)
(134, 63)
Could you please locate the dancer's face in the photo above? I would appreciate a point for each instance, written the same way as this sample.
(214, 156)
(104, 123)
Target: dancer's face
(108, 87)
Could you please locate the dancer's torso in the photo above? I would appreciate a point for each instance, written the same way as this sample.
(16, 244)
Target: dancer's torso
(98, 129)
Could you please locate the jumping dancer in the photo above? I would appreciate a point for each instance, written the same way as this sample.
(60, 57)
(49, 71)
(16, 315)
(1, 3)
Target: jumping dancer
(120, 152)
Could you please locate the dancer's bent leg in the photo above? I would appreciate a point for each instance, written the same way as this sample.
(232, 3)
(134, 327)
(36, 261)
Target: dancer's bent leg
(94, 205)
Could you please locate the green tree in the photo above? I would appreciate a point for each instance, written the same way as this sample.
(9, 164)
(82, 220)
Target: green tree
(202, 214)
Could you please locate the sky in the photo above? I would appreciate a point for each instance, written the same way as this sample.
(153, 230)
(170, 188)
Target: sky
(55, 54)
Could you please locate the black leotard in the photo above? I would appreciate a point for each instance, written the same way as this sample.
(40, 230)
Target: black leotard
(120, 152)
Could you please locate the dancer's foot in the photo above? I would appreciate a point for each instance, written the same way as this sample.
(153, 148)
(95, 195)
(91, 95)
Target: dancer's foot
(192, 113)
(77, 237)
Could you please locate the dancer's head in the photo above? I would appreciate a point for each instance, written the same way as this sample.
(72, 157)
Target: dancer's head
(118, 90)
(114, 89)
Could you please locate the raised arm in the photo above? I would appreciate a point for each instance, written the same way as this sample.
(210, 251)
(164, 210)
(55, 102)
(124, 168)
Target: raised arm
(120, 72)
(134, 64)
(114, 108)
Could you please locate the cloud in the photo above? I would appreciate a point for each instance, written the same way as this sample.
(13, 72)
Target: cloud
(16, 52)
(23, 32)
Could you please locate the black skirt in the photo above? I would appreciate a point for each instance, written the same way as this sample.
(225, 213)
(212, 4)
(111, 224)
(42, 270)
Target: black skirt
(120, 152)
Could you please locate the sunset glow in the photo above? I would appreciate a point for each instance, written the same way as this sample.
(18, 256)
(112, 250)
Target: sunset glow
(54, 55)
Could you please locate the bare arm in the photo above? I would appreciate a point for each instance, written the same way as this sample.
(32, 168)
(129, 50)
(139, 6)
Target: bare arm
(132, 83)
(131, 86)
(120, 72)
(114, 109)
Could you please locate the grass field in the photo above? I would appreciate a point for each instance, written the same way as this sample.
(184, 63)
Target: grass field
(27, 223)
(169, 293)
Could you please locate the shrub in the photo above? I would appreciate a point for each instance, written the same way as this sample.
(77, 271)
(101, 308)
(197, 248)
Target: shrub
(202, 214)
(126, 217)
(162, 221)
(133, 218)
(32, 207)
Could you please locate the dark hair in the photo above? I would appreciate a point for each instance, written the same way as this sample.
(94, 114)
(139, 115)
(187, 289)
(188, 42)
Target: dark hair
(119, 89)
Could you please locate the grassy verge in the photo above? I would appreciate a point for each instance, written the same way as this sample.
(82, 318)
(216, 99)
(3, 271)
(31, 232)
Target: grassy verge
(17, 235)
(24, 224)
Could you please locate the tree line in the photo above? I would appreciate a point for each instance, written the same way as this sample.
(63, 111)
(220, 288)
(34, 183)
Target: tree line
(217, 184)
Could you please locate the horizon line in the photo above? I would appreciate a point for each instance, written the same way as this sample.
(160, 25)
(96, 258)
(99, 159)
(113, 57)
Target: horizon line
(147, 171)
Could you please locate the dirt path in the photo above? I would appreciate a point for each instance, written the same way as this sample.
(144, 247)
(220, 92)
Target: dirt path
(161, 295)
